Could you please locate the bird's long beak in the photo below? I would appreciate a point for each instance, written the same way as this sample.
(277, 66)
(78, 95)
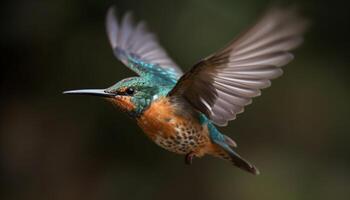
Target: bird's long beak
(91, 92)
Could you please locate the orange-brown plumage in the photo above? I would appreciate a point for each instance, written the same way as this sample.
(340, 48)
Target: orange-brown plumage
(162, 123)
(175, 132)
(123, 102)
(158, 119)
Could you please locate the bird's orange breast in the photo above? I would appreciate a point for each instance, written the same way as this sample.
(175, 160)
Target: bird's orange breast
(159, 119)
(171, 130)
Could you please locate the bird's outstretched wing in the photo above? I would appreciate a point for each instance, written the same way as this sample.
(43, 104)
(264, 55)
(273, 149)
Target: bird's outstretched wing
(223, 83)
(138, 48)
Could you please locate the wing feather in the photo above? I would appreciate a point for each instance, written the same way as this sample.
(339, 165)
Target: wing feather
(138, 48)
(223, 83)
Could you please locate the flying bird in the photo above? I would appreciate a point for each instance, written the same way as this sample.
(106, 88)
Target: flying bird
(180, 111)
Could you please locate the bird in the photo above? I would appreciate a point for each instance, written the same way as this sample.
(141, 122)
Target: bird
(181, 112)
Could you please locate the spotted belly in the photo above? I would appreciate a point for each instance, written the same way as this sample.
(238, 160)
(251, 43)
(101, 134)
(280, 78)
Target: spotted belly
(171, 131)
(181, 140)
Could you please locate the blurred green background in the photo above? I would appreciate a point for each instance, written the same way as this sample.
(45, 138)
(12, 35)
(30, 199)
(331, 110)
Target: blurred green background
(62, 147)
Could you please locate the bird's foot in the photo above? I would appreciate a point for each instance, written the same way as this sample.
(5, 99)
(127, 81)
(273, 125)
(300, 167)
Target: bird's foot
(188, 158)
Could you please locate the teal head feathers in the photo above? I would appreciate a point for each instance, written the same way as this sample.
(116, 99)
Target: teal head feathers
(135, 94)
(131, 95)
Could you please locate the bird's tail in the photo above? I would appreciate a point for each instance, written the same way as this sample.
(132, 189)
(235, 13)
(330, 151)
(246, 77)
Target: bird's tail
(224, 151)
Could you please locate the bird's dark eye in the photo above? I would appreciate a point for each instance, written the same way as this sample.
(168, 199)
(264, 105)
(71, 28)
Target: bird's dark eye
(130, 91)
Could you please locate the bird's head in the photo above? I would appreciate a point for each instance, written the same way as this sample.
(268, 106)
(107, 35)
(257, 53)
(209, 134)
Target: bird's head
(131, 95)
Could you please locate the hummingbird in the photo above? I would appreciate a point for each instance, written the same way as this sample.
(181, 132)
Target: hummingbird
(180, 111)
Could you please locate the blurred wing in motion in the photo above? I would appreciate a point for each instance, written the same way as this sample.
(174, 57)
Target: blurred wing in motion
(138, 48)
(223, 83)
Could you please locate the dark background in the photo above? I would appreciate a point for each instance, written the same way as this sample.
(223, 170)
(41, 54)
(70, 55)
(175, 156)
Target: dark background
(62, 147)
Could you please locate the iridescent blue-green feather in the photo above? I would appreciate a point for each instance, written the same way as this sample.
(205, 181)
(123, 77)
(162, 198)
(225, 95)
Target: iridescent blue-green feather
(139, 49)
(226, 144)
